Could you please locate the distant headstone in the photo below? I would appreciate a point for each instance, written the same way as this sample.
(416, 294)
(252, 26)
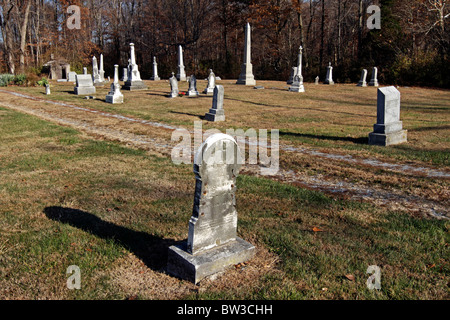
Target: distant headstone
(293, 74)
(216, 113)
(316, 81)
(84, 85)
(84, 71)
(362, 82)
(95, 73)
(192, 92)
(114, 95)
(134, 81)
(71, 76)
(297, 84)
(211, 83)
(258, 87)
(246, 77)
(388, 129)
(374, 80)
(212, 245)
(155, 76)
(101, 71)
(329, 78)
(125, 74)
(47, 89)
(181, 73)
(173, 86)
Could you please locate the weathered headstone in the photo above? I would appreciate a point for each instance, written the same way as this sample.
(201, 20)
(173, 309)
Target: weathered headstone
(47, 89)
(181, 73)
(134, 81)
(71, 76)
(293, 74)
(192, 91)
(125, 74)
(297, 85)
(389, 129)
(211, 83)
(173, 86)
(246, 77)
(316, 81)
(114, 95)
(85, 71)
(329, 78)
(362, 82)
(374, 80)
(216, 113)
(95, 73)
(101, 71)
(155, 76)
(84, 85)
(212, 244)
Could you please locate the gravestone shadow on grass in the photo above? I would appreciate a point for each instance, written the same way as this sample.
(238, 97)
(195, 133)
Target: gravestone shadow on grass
(151, 250)
(361, 140)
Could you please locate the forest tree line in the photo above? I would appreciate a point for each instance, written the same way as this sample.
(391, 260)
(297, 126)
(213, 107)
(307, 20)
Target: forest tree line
(410, 48)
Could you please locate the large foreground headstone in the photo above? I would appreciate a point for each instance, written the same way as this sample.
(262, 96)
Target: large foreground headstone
(363, 82)
(246, 77)
(114, 95)
(216, 113)
(212, 244)
(134, 81)
(388, 129)
(84, 85)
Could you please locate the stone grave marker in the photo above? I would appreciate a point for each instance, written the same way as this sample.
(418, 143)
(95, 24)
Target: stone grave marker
(374, 80)
(291, 77)
(362, 82)
(114, 95)
(134, 81)
(192, 92)
(216, 113)
(71, 76)
(155, 76)
(329, 78)
(389, 129)
(209, 90)
(173, 86)
(316, 81)
(47, 89)
(181, 73)
(84, 84)
(246, 77)
(297, 84)
(212, 244)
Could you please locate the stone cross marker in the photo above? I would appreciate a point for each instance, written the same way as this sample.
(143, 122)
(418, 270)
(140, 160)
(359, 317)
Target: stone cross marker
(388, 129)
(212, 244)
(374, 80)
(155, 76)
(362, 82)
(329, 78)
(84, 85)
(316, 81)
(134, 81)
(192, 92)
(216, 113)
(246, 77)
(181, 73)
(173, 86)
(114, 95)
(211, 83)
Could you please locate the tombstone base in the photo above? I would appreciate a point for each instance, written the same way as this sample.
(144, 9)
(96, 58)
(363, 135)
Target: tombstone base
(362, 84)
(209, 91)
(194, 268)
(300, 88)
(215, 115)
(373, 84)
(192, 94)
(155, 78)
(388, 139)
(328, 82)
(247, 81)
(99, 83)
(134, 85)
(84, 90)
(114, 98)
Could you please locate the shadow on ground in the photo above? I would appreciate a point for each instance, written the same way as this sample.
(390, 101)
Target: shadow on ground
(151, 250)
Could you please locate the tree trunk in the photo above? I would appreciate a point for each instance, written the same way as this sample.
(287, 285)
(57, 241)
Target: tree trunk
(360, 28)
(23, 37)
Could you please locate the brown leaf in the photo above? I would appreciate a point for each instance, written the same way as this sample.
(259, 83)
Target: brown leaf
(315, 229)
(350, 277)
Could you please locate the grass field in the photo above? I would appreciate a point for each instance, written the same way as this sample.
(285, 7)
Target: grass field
(70, 198)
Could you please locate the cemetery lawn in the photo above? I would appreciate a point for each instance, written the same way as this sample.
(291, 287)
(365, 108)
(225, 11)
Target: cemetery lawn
(67, 198)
